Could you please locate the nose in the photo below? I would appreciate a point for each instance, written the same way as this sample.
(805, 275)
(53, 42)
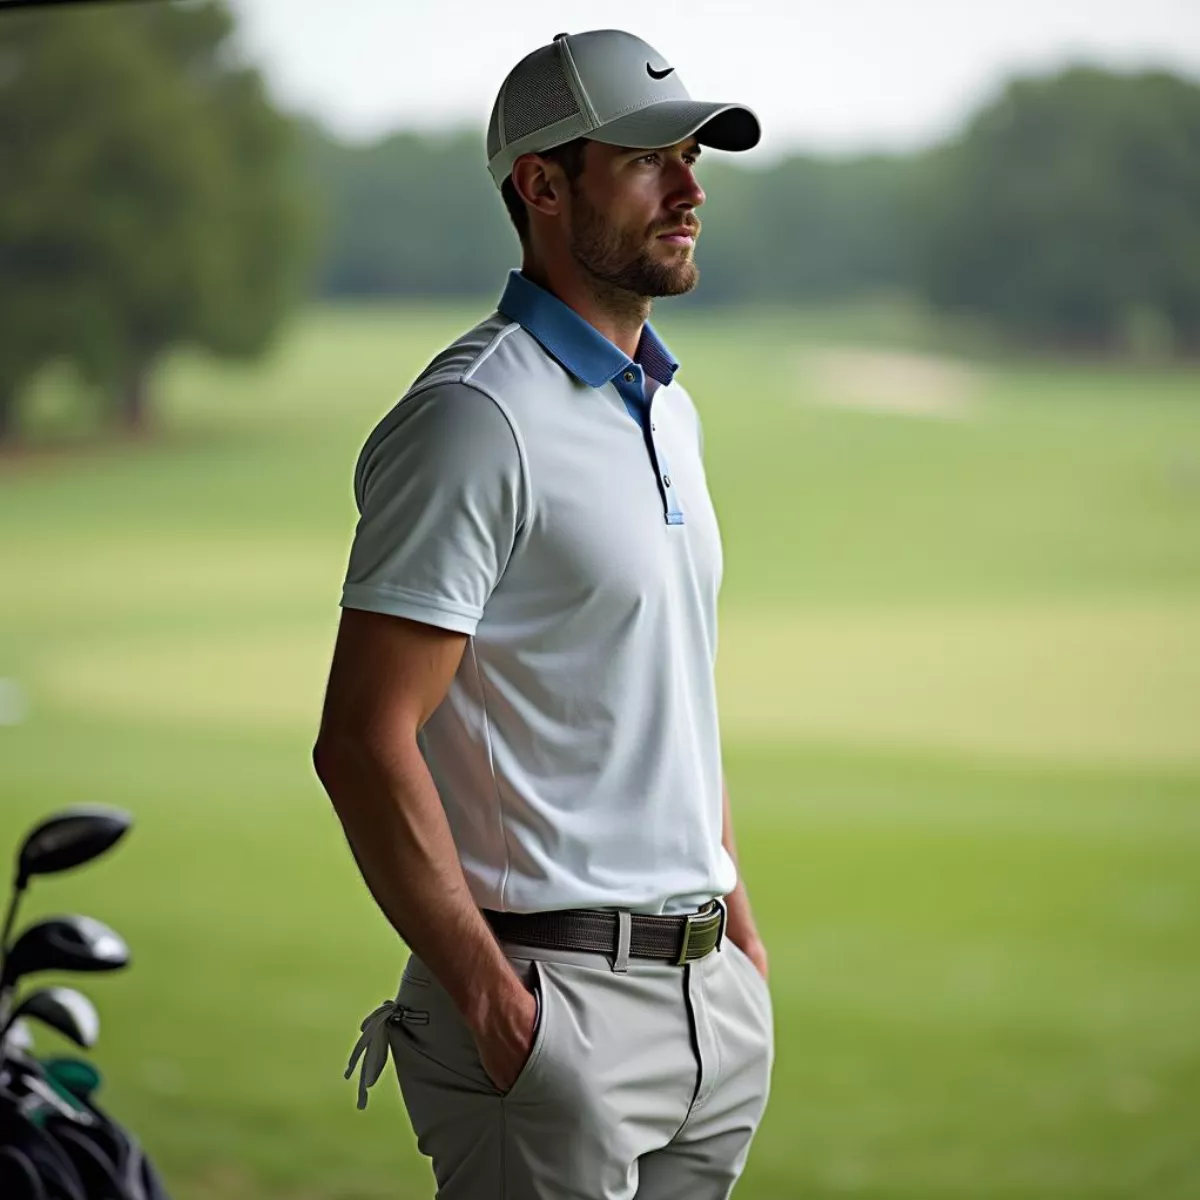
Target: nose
(689, 194)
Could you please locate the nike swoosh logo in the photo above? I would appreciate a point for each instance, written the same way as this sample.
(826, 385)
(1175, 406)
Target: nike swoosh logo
(658, 74)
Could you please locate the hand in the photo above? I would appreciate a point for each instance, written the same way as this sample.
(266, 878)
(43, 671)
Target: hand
(505, 1039)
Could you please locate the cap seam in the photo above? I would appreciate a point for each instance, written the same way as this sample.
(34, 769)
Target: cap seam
(576, 82)
(536, 137)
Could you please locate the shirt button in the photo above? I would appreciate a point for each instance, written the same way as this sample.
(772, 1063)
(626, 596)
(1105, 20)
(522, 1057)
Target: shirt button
(666, 481)
(653, 427)
(629, 377)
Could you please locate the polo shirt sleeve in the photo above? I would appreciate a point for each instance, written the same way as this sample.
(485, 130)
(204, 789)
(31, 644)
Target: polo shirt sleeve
(441, 495)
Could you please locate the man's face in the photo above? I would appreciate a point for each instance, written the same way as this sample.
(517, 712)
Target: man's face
(632, 220)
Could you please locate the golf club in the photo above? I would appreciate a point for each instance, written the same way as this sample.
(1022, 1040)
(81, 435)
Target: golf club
(63, 840)
(18, 1038)
(71, 943)
(63, 1009)
(49, 1104)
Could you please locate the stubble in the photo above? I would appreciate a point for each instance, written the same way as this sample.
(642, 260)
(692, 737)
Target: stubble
(624, 260)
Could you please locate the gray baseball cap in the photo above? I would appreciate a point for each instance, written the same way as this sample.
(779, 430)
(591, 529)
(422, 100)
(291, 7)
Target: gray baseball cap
(608, 86)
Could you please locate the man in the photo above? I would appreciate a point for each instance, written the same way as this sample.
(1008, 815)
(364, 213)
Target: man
(520, 732)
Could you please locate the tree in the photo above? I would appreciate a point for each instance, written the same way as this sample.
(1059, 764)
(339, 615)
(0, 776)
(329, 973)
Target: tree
(409, 215)
(148, 198)
(806, 230)
(1070, 209)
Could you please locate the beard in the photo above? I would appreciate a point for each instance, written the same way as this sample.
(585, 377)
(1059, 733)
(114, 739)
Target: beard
(623, 259)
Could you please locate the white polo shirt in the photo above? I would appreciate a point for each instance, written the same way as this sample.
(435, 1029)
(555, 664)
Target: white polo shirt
(540, 492)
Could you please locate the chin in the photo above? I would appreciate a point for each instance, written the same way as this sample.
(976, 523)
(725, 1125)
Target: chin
(681, 281)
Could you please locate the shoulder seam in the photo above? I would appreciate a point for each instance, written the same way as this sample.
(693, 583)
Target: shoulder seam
(475, 386)
(464, 377)
(523, 458)
(486, 352)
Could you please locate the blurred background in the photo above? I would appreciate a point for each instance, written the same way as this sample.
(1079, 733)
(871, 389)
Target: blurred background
(947, 352)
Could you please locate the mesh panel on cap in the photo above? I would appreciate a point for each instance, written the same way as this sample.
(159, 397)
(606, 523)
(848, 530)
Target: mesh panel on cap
(536, 95)
(493, 131)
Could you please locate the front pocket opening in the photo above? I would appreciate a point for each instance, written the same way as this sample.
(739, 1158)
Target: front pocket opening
(540, 1032)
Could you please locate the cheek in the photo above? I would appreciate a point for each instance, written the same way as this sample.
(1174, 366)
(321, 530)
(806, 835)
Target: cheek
(633, 203)
(640, 213)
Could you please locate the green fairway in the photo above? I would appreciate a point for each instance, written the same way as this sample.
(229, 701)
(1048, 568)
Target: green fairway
(960, 683)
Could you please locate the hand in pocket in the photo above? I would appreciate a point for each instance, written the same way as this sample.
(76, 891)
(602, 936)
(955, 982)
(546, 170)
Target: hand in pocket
(506, 1040)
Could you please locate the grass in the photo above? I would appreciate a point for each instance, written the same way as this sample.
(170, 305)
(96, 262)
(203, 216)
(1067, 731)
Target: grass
(960, 679)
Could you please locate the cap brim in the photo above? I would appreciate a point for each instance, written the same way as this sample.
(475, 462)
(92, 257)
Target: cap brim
(721, 126)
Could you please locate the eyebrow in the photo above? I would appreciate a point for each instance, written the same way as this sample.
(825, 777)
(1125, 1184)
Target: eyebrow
(694, 149)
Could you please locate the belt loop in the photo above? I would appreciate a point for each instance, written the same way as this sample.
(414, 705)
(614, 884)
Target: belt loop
(624, 936)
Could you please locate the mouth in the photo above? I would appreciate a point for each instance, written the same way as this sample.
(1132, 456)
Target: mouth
(685, 235)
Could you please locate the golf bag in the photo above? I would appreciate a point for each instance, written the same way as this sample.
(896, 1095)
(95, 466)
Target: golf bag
(56, 1142)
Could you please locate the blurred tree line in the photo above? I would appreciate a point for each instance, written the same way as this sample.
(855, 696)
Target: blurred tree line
(1067, 211)
(150, 196)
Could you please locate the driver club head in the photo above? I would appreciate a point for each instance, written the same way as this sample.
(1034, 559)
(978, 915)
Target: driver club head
(64, 944)
(69, 838)
(63, 1009)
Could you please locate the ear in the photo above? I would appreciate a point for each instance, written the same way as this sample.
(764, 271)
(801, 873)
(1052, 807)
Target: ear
(541, 184)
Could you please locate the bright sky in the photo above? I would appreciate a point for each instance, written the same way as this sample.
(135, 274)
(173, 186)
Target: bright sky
(833, 75)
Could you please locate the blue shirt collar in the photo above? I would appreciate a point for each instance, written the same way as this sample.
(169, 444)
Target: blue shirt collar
(580, 347)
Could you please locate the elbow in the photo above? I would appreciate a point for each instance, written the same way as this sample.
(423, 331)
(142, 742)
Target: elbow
(336, 762)
(329, 756)
(350, 764)
(353, 763)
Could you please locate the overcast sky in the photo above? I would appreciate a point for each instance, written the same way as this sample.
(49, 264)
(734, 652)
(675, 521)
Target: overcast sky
(838, 75)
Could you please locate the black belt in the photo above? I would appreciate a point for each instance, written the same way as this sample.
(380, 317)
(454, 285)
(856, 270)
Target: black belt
(678, 940)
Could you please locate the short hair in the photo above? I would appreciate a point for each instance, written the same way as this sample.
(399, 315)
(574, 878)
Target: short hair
(569, 156)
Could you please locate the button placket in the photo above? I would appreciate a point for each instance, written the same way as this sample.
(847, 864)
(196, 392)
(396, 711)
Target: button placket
(672, 511)
(640, 408)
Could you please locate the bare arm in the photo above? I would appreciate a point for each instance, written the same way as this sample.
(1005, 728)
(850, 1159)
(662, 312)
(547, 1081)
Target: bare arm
(741, 928)
(387, 678)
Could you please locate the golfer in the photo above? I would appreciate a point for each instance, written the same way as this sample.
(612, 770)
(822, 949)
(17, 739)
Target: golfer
(520, 730)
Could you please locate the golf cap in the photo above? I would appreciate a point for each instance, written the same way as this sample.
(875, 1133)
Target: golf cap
(608, 86)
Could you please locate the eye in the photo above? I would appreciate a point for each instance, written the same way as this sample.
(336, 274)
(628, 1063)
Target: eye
(652, 157)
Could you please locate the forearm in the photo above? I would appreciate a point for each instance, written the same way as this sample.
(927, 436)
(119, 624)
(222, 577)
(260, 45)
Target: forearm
(740, 927)
(397, 830)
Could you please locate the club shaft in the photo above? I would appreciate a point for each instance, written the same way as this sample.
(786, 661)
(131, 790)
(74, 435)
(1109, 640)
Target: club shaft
(9, 920)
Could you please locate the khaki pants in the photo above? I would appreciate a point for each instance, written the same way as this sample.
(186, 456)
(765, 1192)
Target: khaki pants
(641, 1085)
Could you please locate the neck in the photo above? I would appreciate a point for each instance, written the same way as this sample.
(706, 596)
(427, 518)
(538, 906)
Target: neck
(614, 312)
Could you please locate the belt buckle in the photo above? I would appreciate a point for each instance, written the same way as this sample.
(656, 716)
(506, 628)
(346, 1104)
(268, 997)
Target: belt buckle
(693, 919)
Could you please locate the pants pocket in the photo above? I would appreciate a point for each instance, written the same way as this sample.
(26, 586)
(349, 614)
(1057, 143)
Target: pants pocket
(427, 1025)
(430, 1043)
(746, 964)
(530, 1070)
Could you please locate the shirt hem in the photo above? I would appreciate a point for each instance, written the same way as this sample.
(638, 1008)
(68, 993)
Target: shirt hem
(428, 613)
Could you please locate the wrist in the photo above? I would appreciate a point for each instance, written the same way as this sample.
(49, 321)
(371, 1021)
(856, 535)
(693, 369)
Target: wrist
(494, 1001)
